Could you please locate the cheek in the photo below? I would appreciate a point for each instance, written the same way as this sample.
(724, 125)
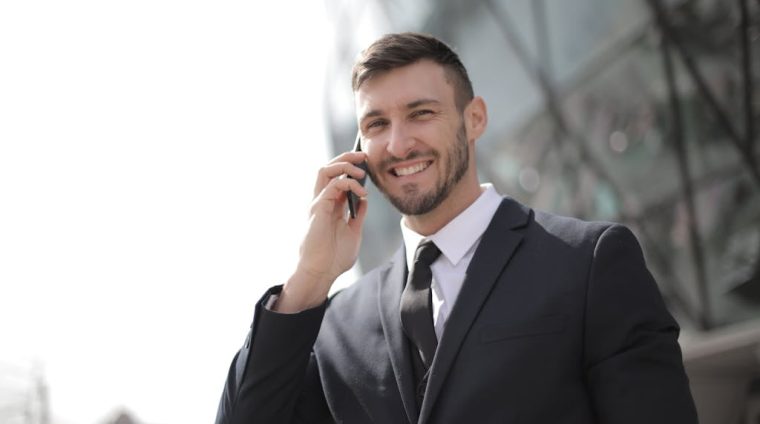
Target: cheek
(374, 151)
(373, 159)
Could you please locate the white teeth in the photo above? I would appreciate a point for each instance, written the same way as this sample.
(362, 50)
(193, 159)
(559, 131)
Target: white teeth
(411, 169)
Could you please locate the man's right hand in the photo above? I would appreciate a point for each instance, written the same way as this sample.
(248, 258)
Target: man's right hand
(331, 244)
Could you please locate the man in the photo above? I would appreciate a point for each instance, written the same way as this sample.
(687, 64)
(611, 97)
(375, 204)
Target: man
(531, 317)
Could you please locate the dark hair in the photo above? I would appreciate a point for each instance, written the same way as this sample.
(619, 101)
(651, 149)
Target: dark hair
(397, 50)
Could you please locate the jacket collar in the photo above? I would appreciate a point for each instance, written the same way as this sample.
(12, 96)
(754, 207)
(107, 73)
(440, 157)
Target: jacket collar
(389, 299)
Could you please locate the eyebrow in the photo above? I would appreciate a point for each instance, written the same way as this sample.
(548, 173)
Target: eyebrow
(410, 105)
(421, 102)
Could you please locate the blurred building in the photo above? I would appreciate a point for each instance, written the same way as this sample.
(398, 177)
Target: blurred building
(643, 112)
(23, 393)
(121, 416)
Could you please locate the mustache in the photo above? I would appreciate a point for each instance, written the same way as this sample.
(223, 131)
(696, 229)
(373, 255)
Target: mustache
(387, 162)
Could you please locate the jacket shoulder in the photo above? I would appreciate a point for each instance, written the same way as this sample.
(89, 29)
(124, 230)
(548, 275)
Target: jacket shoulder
(572, 231)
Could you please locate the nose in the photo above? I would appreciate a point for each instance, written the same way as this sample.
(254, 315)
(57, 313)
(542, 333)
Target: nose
(400, 142)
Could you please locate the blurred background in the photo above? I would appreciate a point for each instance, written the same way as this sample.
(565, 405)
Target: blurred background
(156, 162)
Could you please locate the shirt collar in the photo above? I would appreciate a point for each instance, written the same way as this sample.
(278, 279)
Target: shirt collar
(457, 237)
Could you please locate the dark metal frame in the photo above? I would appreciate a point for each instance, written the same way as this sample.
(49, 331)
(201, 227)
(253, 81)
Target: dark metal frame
(677, 134)
(741, 144)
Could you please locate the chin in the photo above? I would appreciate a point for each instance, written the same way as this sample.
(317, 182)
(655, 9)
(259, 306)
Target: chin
(412, 202)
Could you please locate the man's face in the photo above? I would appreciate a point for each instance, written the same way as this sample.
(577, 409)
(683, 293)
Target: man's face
(414, 136)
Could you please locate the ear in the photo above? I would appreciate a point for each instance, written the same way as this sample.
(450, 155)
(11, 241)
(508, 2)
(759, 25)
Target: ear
(475, 118)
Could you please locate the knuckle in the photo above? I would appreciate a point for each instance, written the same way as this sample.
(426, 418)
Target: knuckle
(337, 183)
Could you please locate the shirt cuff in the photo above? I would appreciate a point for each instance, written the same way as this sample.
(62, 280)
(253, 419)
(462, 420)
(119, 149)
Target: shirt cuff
(269, 303)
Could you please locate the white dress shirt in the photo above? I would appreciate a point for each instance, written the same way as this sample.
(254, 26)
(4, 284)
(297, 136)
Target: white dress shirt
(457, 242)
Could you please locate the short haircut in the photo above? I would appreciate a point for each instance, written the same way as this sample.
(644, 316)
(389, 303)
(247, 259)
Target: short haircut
(397, 50)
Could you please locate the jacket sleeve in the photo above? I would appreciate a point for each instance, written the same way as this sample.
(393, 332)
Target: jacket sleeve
(273, 378)
(633, 362)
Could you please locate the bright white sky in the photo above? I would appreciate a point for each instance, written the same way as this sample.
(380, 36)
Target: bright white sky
(156, 166)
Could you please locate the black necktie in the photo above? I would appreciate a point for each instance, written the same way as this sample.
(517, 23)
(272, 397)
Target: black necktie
(416, 303)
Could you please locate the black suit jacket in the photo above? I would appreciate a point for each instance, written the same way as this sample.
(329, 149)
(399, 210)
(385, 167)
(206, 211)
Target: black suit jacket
(558, 321)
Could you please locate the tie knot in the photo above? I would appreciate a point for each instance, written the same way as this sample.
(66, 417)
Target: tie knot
(427, 252)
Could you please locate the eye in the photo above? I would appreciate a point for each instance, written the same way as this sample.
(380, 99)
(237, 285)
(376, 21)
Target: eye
(378, 123)
(422, 113)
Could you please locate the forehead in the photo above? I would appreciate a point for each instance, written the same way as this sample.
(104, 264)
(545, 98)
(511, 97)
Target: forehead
(424, 79)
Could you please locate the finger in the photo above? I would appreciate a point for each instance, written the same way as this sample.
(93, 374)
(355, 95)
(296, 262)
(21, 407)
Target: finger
(333, 196)
(334, 170)
(328, 172)
(353, 157)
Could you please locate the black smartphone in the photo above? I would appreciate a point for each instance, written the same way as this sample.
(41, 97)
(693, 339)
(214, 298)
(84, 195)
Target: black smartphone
(353, 199)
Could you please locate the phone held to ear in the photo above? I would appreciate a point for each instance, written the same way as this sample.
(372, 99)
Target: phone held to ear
(353, 199)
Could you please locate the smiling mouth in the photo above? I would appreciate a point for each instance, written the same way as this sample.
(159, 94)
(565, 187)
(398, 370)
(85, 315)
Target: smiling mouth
(410, 170)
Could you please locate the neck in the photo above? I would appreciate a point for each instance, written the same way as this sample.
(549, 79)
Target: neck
(460, 198)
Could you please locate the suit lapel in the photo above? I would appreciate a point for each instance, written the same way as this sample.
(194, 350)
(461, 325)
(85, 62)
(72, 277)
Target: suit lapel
(496, 247)
(390, 288)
